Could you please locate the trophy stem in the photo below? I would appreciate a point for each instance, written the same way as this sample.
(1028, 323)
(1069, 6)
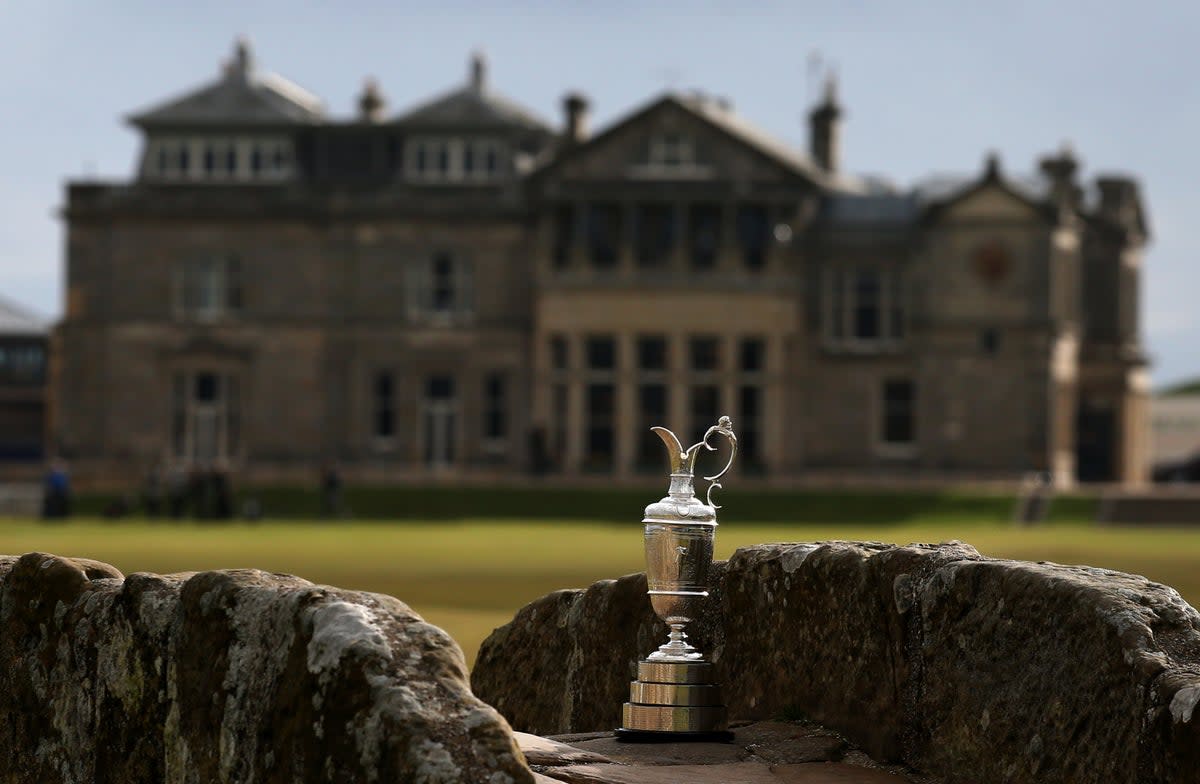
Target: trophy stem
(677, 648)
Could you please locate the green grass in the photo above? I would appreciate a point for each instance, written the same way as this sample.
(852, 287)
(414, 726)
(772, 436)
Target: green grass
(469, 576)
(558, 503)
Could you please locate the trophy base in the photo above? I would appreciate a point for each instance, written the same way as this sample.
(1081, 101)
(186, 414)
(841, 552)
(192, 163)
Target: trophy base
(673, 701)
(649, 736)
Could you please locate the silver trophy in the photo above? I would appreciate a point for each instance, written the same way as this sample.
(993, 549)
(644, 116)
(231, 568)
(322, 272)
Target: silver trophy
(675, 696)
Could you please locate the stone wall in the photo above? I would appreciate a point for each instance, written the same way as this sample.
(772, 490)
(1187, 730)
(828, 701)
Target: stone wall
(975, 669)
(232, 676)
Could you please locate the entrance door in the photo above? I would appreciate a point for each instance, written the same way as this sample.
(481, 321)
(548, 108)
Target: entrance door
(440, 415)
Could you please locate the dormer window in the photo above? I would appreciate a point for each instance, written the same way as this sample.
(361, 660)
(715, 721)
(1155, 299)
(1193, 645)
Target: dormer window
(219, 159)
(671, 150)
(453, 160)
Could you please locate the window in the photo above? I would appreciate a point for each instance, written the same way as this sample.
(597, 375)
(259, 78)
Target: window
(559, 396)
(989, 341)
(705, 354)
(671, 150)
(601, 353)
(453, 160)
(652, 412)
(603, 234)
(752, 355)
(495, 408)
(897, 425)
(705, 405)
(384, 400)
(750, 425)
(440, 289)
(22, 364)
(209, 288)
(867, 299)
(439, 415)
(280, 159)
(205, 416)
(443, 284)
(866, 307)
(704, 235)
(564, 235)
(261, 158)
(654, 234)
(652, 353)
(754, 234)
(599, 440)
(560, 358)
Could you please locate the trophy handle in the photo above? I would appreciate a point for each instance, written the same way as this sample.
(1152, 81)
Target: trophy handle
(724, 427)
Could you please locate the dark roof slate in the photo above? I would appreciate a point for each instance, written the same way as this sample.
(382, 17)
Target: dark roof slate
(241, 96)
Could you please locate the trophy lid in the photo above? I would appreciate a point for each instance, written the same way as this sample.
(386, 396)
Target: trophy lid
(681, 505)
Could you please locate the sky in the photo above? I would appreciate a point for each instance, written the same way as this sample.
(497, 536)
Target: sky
(929, 88)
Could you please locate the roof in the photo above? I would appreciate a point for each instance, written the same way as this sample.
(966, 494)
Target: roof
(16, 320)
(722, 117)
(474, 104)
(242, 95)
(1031, 187)
(878, 206)
(872, 209)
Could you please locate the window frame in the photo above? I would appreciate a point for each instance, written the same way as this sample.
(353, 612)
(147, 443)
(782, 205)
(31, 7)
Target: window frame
(218, 275)
(895, 449)
(841, 308)
(496, 405)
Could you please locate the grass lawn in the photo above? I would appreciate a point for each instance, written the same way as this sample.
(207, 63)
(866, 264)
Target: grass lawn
(469, 576)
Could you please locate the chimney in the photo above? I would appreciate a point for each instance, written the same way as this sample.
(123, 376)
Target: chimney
(1060, 170)
(242, 63)
(1118, 199)
(478, 72)
(371, 102)
(575, 108)
(824, 128)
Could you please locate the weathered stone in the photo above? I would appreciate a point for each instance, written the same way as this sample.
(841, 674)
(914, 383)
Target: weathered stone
(975, 669)
(234, 676)
(551, 753)
(739, 772)
(575, 653)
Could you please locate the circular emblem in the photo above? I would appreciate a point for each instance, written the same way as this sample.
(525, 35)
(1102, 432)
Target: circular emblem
(992, 262)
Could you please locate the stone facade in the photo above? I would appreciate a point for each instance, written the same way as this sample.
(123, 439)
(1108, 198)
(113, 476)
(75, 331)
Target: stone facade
(463, 291)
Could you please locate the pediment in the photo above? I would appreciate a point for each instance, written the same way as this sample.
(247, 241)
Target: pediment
(991, 202)
(675, 139)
